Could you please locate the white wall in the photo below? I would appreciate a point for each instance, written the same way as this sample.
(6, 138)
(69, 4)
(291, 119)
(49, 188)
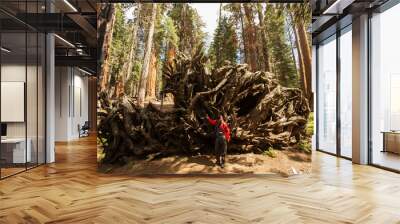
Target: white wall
(16, 73)
(80, 109)
(62, 81)
(71, 102)
(12, 73)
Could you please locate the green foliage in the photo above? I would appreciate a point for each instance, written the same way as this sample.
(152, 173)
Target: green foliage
(119, 42)
(234, 15)
(300, 13)
(134, 78)
(282, 60)
(305, 146)
(225, 43)
(179, 26)
(166, 34)
(190, 26)
(102, 141)
(270, 152)
(310, 125)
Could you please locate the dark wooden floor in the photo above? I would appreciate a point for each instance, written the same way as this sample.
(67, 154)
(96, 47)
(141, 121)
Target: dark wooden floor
(71, 191)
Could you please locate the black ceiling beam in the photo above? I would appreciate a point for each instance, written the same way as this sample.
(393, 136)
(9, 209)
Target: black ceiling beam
(49, 22)
(62, 22)
(84, 24)
(89, 51)
(8, 24)
(92, 4)
(18, 22)
(78, 61)
(203, 1)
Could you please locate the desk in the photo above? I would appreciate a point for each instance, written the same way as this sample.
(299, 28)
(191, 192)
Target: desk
(13, 150)
(391, 141)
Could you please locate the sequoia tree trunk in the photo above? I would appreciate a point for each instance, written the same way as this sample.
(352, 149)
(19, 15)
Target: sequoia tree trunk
(152, 78)
(301, 60)
(306, 54)
(245, 48)
(147, 57)
(251, 34)
(106, 20)
(171, 53)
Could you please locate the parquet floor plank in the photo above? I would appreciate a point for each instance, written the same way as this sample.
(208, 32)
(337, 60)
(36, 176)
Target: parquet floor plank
(72, 191)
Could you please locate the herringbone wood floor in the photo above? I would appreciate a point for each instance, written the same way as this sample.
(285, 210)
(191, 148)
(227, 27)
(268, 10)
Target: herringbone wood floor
(71, 191)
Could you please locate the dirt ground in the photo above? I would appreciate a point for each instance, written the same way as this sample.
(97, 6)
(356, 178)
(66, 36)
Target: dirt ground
(285, 163)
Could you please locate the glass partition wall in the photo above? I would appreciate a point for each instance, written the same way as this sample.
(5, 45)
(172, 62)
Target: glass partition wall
(327, 95)
(334, 93)
(345, 62)
(385, 89)
(22, 77)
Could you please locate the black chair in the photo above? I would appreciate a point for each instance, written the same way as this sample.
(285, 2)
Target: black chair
(84, 130)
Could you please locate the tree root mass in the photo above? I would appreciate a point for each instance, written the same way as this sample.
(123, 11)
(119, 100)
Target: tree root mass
(261, 113)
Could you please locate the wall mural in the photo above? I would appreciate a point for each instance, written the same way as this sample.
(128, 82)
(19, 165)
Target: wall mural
(204, 88)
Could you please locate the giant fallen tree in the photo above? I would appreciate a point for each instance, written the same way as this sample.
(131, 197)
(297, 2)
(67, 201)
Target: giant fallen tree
(260, 112)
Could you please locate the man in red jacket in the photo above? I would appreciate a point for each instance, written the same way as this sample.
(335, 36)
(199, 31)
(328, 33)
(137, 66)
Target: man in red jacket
(222, 137)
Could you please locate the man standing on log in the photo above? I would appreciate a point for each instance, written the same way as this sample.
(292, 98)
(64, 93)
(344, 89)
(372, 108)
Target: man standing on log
(222, 137)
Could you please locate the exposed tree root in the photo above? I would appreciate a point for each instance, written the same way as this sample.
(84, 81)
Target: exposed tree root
(260, 112)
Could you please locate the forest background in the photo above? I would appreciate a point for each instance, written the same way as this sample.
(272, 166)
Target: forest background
(138, 39)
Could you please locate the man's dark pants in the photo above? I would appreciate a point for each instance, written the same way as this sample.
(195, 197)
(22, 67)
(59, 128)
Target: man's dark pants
(220, 149)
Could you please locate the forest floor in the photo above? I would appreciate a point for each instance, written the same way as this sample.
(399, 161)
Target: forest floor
(285, 163)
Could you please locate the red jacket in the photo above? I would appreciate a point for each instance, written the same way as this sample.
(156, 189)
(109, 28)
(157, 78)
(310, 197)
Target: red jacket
(223, 127)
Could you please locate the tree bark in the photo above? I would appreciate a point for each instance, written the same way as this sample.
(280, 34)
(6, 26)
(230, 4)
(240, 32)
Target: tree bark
(245, 48)
(171, 53)
(219, 32)
(264, 43)
(300, 57)
(106, 20)
(306, 54)
(147, 57)
(119, 89)
(251, 35)
(152, 78)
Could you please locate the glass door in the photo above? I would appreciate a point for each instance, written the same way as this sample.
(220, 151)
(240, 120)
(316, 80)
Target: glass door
(22, 78)
(326, 95)
(385, 89)
(14, 153)
(346, 92)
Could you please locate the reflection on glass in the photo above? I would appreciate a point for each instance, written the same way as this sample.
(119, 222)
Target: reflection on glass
(41, 99)
(14, 153)
(346, 93)
(31, 97)
(23, 90)
(385, 84)
(327, 95)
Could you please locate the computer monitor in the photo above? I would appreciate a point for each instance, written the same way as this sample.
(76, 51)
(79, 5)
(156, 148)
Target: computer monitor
(3, 129)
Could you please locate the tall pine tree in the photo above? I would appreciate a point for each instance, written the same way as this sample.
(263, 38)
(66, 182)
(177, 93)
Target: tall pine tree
(225, 43)
(282, 61)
